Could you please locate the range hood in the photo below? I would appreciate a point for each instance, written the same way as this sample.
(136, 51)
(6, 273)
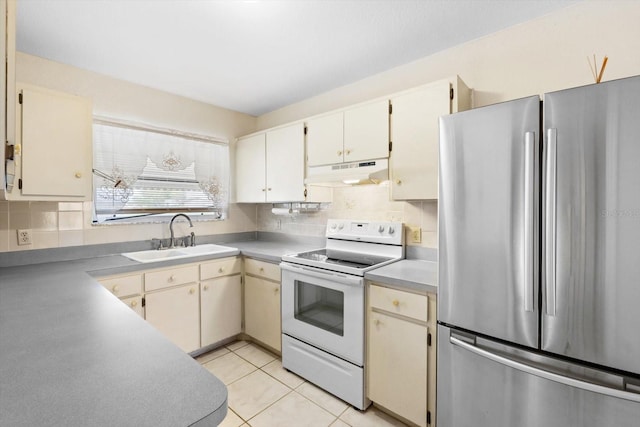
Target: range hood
(355, 173)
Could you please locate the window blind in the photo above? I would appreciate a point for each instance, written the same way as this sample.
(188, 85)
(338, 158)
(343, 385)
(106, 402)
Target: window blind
(139, 171)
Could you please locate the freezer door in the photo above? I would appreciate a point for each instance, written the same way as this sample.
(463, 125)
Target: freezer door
(488, 220)
(482, 383)
(591, 261)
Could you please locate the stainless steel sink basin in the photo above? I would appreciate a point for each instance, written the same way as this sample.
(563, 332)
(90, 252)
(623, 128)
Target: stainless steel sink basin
(154, 255)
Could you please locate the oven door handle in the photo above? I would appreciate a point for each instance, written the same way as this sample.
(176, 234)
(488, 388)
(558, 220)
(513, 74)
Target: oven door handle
(323, 274)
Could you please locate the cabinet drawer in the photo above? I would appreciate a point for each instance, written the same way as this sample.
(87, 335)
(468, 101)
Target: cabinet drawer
(135, 304)
(262, 269)
(399, 302)
(123, 286)
(167, 278)
(219, 268)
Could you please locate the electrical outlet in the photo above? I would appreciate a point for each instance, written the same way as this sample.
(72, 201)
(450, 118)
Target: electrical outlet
(416, 234)
(24, 237)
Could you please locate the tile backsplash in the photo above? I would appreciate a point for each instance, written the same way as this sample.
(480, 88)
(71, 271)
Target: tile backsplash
(366, 202)
(56, 225)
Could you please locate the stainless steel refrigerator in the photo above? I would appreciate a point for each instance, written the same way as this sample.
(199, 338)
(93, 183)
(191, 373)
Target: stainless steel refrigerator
(539, 261)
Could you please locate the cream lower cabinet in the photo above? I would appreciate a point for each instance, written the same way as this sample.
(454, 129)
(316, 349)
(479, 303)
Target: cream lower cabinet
(176, 313)
(172, 304)
(128, 288)
(400, 359)
(220, 300)
(262, 302)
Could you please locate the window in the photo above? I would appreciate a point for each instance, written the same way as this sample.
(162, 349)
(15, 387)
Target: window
(141, 171)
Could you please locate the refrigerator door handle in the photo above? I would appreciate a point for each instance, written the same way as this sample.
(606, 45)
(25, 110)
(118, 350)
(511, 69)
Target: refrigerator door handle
(550, 214)
(552, 376)
(529, 156)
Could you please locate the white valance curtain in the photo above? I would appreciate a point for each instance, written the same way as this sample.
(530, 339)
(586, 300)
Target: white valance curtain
(138, 168)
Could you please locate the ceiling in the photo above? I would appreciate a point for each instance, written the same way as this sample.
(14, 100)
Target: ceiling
(256, 56)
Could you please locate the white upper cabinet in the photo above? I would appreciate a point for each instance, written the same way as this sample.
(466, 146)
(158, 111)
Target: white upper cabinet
(53, 153)
(366, 132)
(415, 135)
(325, 136)
(270, 166)
(251, 169)
(285, 164)
(359, 133)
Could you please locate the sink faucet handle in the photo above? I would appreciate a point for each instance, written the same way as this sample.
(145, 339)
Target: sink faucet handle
(193, 238)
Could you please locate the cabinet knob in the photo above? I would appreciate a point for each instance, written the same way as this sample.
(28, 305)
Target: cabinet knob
(192, 291)
(399, 181)
(78, 175)
(261, 269)
(264, 189)
(347, 152)
(377, 322)
(269, 189)
(134, 303)
(339, 153)
(115, 288)
(172, 278)
(276, 290)
(221, 270)
(205, 287)
(395, 302)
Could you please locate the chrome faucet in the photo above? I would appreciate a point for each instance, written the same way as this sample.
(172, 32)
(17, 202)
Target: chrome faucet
(172, 243)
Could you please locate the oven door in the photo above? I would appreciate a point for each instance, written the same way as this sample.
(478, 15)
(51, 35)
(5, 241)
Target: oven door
(324, 309)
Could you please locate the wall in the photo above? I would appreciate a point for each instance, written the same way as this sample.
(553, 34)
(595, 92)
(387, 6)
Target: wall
(542, 55)
(69, 224)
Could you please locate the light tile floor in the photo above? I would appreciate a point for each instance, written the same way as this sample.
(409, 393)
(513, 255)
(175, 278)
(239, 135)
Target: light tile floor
(263, 394)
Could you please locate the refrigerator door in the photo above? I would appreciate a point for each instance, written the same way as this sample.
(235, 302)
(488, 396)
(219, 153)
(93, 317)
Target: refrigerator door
(482, 383)
(591, 261)
(488, 220)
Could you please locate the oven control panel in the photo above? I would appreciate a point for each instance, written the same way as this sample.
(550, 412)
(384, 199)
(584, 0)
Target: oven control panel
(366, 231)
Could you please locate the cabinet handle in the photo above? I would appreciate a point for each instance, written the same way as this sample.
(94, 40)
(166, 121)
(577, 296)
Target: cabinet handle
(192, 291)
(347, 152)
(115, 288)
(399, 181)
(134, 303)
(205, 287)
(221, 270)
(172, 278)
(78, 175)
(395, 302)
(339, 153)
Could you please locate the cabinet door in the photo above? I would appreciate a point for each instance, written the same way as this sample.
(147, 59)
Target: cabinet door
(366, 132)
(262, 311)
(56, 140)
(414, 132)
(176, 313)
(325, 136)
(397, 371)
(135, 304)
(285, 164)
(251, 169)
(220, 309)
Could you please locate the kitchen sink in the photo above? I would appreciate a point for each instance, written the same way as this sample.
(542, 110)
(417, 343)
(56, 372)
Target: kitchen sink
(154, 255)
